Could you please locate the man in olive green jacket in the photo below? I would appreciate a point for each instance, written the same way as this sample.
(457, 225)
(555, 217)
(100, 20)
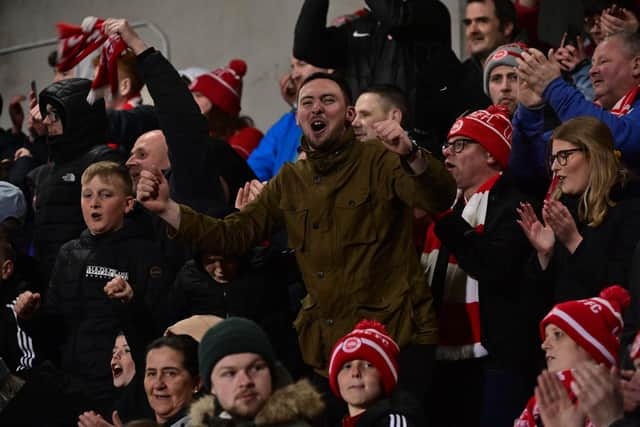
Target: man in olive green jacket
(348, 213)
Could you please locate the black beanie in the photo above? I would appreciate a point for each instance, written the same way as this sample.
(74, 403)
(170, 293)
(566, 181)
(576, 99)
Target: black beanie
(232, 336)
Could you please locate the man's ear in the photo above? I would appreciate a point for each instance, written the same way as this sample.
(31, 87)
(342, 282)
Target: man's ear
(396, 115)
(131, 201)
(508, 30)
(350, 114)
(635, 67)
(124, 87)
(491, 161)
(6, 269)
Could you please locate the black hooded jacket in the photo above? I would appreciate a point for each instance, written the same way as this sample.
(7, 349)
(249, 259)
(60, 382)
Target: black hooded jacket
(58, 217)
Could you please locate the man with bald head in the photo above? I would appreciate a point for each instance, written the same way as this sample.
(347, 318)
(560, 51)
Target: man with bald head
(149, 150)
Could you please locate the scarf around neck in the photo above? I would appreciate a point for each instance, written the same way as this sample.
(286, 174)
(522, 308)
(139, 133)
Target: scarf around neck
(459, 317)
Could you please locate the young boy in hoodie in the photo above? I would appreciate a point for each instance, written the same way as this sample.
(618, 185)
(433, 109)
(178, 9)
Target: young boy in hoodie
(110, 279)
(363, 371)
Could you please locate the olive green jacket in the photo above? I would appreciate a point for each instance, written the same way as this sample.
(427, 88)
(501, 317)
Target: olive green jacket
(349, 218)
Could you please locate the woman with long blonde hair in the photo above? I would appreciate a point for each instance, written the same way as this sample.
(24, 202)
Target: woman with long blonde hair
(591, 219)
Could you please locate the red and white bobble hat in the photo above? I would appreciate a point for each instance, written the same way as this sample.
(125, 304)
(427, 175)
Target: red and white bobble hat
(368, 341)
(223, 86)
(490, 128)
(594, 324)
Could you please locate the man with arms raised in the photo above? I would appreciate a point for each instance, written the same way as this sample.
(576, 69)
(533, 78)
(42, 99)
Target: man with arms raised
(347, 210)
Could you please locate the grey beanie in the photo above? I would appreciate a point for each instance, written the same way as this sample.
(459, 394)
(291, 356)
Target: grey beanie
(232, 336)
(503, 55)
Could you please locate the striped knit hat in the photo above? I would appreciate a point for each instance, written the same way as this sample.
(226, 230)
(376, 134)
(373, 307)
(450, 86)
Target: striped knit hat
(594, 324)
(490, 128)
(368, 341)
(503, 55)
(223, 86)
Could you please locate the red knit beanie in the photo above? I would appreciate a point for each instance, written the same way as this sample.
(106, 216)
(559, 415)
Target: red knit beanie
(490, 128)
(368, 341)
(594, 324)
(223, 86)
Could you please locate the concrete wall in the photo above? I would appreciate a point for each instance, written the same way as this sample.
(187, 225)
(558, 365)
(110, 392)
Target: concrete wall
(207, 33)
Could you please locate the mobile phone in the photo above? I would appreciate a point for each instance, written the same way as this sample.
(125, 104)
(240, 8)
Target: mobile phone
(33, 87)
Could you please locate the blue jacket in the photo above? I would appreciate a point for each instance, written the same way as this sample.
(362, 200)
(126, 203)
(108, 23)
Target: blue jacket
(529, 141)
(278, 146)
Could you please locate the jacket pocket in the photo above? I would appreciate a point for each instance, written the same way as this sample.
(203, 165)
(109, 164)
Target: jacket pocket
(309, 329)
(355, 222)
(296, 223)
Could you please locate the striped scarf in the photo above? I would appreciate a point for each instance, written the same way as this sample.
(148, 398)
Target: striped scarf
(460, 311)
(625, 104)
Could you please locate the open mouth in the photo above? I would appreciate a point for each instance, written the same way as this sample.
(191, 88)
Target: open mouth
(449, 165)
(96, 216)
(318, 126)
(116, 370)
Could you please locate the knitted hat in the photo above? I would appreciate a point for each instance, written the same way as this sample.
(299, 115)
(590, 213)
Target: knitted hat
(503, 55)
(232, 336)
(594, 323)
(368, 341)
(12, 202)
(223, 86)
(490, 128)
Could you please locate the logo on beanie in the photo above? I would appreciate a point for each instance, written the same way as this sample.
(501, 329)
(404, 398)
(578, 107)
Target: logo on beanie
(351, 344)
(456, 126)
(499, 55)
(593, 306)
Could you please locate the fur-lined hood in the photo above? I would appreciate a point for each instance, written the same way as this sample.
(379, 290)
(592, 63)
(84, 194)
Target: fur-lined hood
(294, 404)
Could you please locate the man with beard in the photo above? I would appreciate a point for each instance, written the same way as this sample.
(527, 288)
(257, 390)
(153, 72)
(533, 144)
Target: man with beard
(347, 210)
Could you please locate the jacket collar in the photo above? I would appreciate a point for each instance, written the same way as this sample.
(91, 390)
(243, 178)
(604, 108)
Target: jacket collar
(299, 401)
(325, 159)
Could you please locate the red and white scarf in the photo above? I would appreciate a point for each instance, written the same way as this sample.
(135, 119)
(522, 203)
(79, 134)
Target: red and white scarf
(77, 42)
(625, 104)
(530, 417)
(459, 317)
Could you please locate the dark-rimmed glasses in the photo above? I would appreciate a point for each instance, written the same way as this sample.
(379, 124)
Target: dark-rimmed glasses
(458, 145)
(562, 156)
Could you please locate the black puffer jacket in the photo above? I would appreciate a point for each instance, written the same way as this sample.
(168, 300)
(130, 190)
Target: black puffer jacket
(58, 217)
(82, 322)
(402, 42)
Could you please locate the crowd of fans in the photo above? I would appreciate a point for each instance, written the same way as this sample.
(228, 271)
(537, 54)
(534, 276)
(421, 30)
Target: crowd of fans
(417, 241)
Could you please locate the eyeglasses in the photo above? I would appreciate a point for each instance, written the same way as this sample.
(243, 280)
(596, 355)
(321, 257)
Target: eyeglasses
(562, 156)
(458, 145)
(53, 116)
